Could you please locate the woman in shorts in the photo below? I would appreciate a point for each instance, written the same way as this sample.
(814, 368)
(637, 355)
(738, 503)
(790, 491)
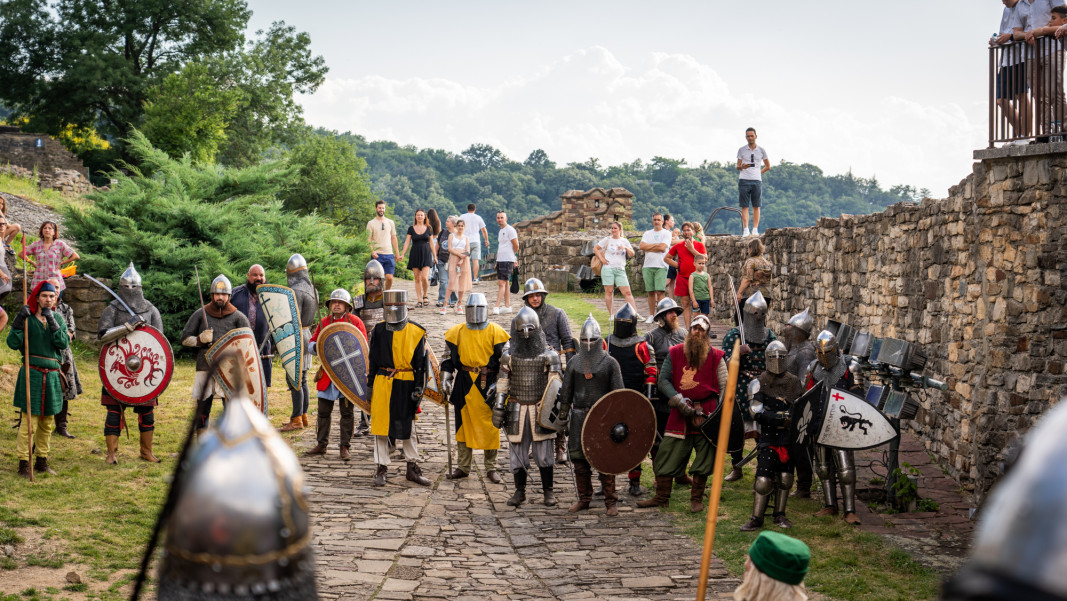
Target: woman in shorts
(613, 252)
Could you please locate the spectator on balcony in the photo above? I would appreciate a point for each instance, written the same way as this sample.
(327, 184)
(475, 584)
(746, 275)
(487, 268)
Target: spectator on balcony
(752, 162)
(1011, 92)
(1046, 72)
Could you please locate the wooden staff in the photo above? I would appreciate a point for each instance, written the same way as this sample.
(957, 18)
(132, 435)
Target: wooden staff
(720, 459)
(26, 357)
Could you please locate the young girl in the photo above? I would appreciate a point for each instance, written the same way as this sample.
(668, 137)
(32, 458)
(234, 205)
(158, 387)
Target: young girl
(700, 289)
(459, 271)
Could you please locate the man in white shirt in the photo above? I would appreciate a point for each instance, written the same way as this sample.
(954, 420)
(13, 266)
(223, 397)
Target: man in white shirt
(475, 227)
(1011, 92)
(752, 162)
(655, 243)
(507, 255)
(383, 246)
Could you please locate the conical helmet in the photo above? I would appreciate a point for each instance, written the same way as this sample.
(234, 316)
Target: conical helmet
(803, 321)
(373, 270)
(526, 322)
(221, 285)
(296, 263)
(590, 338)
(130, 278)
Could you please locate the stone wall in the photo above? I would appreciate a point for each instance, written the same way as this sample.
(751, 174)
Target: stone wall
(591, 209)
(541, 256)
(86, 299)
(56, 167)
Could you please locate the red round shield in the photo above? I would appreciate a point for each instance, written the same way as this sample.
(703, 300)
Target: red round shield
(136, 368)
(618, 431)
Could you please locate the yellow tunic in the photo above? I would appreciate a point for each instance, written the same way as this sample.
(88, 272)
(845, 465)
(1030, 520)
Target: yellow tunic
(474, 422)
(404, 345)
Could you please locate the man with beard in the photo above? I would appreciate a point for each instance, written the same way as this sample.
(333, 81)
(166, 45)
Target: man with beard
(770, 406)
(834, 465)
(340, 305)
(639, 371)
(799, 360)
(370, 308)
(592, 374)
(693, 379)
(469, 371)
(757, 337)
(245, 299)
(397, 374)
(114, 323)
(661, 339)
(557, 329)
(307, 303)
(519, 389)
(217, 317)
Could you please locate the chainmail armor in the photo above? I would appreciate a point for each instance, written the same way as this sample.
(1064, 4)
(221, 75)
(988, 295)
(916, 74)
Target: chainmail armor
(529, 376)
(307, 298)
(831, 377)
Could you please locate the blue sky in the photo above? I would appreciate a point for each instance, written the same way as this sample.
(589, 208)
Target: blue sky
(892, 89)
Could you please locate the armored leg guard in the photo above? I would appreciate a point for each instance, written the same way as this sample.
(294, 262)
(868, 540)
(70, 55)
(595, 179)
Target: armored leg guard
(824, 469)
(781, 498)
(113, 421)
(696, 495)
(759, 507)
(146, 447)
(112, 441)
(546, 486)
(663, 493)
(611, 499)
(584, 483)
(520, 489)
(846, 474)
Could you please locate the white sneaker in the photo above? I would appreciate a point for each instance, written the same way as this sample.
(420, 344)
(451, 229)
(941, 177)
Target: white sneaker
(506, 310)
(443, 311)
(746, 233)
(755, 231)
(496, 310)
(650, 319)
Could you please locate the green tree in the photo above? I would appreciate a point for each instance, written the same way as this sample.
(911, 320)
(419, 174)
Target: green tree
(188, 113)
(332, 182)
(484, 156)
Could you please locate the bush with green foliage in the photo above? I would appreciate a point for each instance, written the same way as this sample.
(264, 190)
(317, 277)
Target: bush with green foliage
(168, 216)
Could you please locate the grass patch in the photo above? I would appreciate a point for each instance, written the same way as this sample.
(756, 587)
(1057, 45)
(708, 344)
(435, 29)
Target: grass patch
(6, 563)
(9, 537)
(53, 561)
(578, 306)
(27, 188)
(80, 587)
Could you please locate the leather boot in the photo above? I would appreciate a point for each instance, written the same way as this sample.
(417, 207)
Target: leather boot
(62, 431)
(24, 468)
(415, 474)
(734, 475)
(304, 420)
(583, 481)
(294, 424)
(41, 466)
(520, 489)
(546, 486)
(346, 455)
(696, 495)
(561, 449)
(635, 484)
(146, 447)
(663, 493)
(826, 511)
(318, 449)
(379, 476)
(683, 480)
(112, 441)
(611, 500)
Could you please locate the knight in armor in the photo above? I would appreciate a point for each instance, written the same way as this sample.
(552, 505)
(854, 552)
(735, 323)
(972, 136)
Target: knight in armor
(397, 370)
(214, 319)
(592, 374)
(770, 406)
(370, 307)
(639, 371)
(307, 304)
(693, 379)
(522, 385)
(67, 366)
(469, 374)
(660, 339)
(245, 299)
(557, 329)
(799, 360)
(340, 305)
(115, 322)
(834, 466)
(757, 337)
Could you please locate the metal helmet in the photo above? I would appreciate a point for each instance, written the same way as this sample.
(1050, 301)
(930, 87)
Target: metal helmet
(754, 320)
(526, 322)
(665, 306)
(624, 323)
(296, 263)
(477, 311)
(342, 295)
(776, 357)
(827, 350)
(221, 285)
(533, 286)
(130, 278)
(803, 321)
(396, 308)
(373, 271)
(590, 338)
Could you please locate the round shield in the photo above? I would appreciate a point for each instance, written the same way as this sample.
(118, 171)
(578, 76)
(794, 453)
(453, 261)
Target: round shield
(618, 431)
(136, 368)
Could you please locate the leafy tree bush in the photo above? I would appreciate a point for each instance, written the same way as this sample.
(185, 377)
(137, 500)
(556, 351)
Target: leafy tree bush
(332, 182)
(168, 216)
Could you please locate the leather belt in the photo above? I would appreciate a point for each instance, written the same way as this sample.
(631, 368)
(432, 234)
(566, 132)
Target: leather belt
(484, 371)
(390, 372)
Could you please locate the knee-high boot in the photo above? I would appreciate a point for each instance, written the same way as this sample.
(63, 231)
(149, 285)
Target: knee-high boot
(611, 499)
(696, 495)
(663, 493)
(546, 486)
(584, 483)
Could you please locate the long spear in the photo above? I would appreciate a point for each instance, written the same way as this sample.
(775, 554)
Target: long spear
(727, 414)
(26, 355)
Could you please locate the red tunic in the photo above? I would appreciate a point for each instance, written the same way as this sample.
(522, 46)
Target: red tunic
(324, 382)
(701, 386)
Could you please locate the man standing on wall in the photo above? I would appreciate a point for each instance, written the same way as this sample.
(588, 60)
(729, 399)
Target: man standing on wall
(383, 246)
(752, 162)
(475, 227)
(655, 243)
(507, 255)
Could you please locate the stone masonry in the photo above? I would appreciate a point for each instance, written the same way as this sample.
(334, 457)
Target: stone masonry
(592, 209)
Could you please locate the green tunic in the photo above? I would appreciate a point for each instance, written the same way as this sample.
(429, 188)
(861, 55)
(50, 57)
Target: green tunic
(45, 350)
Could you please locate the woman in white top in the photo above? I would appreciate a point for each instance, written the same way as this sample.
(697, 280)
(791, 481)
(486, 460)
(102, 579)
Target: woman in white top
(613, 252)
(459, 271)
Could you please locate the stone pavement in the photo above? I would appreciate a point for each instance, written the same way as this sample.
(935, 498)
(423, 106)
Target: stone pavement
(458, 540)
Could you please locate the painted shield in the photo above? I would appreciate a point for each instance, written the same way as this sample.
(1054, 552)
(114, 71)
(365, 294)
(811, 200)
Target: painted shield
(278, 303)
(342, 350)
(245, 358)
(618, 431)
(548, 411)
(136, 368)
(432, 391)
(806, 415)
(850, 422)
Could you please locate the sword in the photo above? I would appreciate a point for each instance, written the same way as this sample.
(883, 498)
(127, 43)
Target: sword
(201, 292)
(748, 458)
(448, 433)
(112, 293)
(733, 301)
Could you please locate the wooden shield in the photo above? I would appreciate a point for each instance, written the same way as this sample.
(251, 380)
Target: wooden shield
(278, 303)
(618, 431)
(806, 416)
(136, 368)
(548, 410)
(342, 350)
(244, 360)
(849, 422)
(432, 391)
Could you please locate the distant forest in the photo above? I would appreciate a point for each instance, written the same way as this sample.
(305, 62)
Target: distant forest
(408, 178)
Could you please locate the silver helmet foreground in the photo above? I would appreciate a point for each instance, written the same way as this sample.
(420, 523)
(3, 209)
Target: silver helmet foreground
(533, 286)
(665, 306)
(373, 271)
(826, 349)
(803, 321)
(754, 321)
(624, 323)
(396, 309)
(590, 338)
(526, 322)
(775, 355)
(342, 295)
(221, 285)
(477, 311)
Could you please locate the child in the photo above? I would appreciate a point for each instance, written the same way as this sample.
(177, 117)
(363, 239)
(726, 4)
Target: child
(700, 289)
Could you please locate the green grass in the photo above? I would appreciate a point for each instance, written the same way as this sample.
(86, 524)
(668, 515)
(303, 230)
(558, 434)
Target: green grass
(579, 305)
(27, 188)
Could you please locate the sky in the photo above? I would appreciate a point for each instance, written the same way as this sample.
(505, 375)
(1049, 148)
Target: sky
(896, 90)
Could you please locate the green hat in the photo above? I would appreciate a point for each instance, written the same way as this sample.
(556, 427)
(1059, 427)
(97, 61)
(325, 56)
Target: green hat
(781, 557)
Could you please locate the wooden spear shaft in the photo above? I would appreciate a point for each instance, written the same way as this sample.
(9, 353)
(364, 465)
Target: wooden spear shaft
(26, 356)
(727, 414)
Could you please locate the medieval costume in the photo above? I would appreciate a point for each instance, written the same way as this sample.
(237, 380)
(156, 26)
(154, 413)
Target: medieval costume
(693, 379)
(370, 307)
(114, 323)
(327, 392)
(757, 337)
(527, 367)
(245, 299)
(775, 569)
(589, 376)
(47, 334)
(73, 384)
(206, 325)
(469, 372)
(398, 364)
(639, 371)
(799, 360)
(772, 398)
(660, 340)
(307, 304)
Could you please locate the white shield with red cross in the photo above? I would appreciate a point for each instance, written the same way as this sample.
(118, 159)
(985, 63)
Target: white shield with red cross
(849, 422)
